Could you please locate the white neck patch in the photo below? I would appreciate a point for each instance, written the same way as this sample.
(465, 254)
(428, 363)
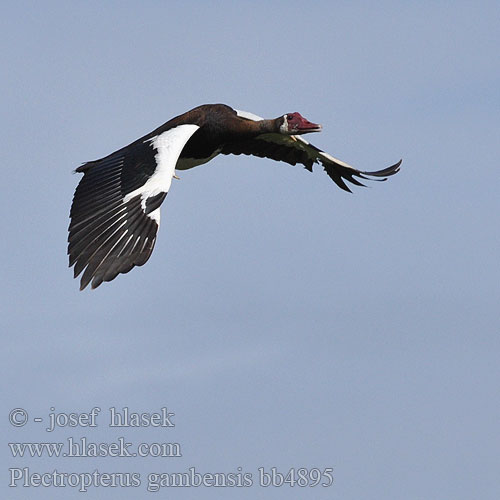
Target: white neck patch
(284, 125)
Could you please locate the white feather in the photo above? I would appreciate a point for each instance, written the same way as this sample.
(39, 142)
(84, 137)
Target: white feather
(155, 215)
(248, 116)
(336, 160)
(168, 146)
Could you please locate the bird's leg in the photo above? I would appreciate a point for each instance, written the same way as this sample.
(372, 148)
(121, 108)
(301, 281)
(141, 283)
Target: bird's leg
(176, 177)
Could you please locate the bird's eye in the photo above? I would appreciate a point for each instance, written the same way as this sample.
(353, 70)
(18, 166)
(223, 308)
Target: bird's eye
(289, 117)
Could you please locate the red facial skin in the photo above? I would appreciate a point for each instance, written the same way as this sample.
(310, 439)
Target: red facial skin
(297, 124)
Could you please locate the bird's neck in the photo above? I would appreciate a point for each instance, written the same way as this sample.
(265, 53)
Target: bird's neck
(268, 126)
(252, 128)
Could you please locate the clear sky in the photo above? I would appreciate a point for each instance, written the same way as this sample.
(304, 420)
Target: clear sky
(286, 323)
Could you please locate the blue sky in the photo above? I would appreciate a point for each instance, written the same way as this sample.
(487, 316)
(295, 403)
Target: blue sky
(286, 323)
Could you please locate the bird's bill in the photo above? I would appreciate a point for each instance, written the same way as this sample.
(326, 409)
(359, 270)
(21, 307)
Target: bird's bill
(304, 126)
(309, 127)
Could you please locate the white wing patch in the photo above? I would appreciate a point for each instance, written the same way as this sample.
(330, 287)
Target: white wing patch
(248, 116)
(155, 214)
(168, 145)
(317, 154)
(329, 157)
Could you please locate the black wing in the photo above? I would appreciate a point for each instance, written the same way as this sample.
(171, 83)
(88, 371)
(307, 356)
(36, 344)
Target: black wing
(110, 234)
(294, 149)
(115, 213)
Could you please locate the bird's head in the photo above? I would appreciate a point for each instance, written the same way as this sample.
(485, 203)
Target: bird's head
(295, 123)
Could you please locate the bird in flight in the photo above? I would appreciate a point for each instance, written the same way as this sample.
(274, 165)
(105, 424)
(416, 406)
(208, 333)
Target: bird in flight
(115, 213)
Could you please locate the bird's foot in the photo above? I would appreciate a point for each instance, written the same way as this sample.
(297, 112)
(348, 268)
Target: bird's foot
(176, 177)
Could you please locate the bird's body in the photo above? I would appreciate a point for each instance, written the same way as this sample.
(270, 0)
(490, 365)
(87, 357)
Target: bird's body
(115, 213)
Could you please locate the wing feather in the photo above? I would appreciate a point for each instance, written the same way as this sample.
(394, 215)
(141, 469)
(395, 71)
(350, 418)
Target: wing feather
(115, 212)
